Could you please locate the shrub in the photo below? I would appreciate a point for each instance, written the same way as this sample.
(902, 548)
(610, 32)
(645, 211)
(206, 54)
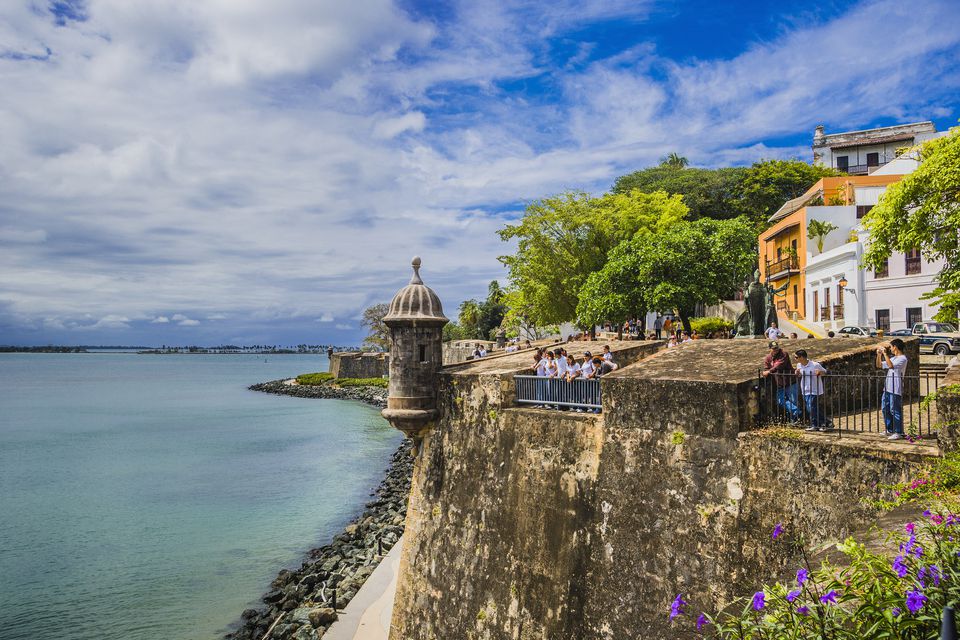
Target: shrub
(708, 325)
(873, 597)
(362, 382)
(314, 378)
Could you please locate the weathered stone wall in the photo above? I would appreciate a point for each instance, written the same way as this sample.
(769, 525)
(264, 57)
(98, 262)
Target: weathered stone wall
(354, 364)
(527, 523)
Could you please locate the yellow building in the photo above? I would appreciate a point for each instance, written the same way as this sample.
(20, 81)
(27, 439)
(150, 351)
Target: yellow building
(783, 246)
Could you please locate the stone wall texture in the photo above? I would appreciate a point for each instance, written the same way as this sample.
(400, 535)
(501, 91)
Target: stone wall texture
(354, 364)
(527, 523)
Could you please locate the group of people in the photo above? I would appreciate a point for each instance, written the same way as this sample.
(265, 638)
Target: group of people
(807, 379)
(561, 365)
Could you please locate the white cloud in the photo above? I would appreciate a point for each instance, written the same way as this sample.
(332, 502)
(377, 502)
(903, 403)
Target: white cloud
(160, 320)
(264, 163)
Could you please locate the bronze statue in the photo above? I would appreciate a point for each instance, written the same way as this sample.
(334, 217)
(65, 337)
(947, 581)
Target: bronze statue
(760, 308)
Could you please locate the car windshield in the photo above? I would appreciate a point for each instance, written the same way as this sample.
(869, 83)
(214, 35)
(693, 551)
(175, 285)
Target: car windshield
(942, 327)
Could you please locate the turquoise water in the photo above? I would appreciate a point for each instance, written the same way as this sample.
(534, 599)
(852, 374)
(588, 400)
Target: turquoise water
(147, 497)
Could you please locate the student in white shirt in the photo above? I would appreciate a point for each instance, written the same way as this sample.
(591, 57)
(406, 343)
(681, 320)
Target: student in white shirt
(773, 333)
(891, 359)
(573, 369)
(561, 361)
(606, 353)
(543, 368)
(811, 373)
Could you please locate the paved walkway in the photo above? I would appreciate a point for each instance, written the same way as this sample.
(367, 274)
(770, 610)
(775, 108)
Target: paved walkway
(367, 616)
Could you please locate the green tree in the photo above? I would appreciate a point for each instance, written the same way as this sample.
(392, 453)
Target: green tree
(562, 240)
(820, 229)
(453, 331)
(674, 161)
(708, 193)
(378, 335)
(922, 211)
(693, 262)
(769, 183)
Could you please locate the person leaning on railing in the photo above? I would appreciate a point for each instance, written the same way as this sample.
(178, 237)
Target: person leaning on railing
(777, 364)
(891, 359)
(811, 373)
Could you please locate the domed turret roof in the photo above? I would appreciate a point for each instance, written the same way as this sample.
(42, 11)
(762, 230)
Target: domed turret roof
(416, 303)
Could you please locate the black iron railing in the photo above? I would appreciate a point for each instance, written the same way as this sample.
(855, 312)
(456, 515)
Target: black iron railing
(790, 263)
(581, 393)
(824, 314)
(861, 402)
(838, 312)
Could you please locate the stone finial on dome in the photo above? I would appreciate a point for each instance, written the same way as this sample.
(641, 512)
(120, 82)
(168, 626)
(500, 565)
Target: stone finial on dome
(415, 303)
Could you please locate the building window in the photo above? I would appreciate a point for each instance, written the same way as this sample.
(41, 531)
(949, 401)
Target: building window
(883, 319)
(883, 271)
(816, 303)
(863, 209)
(796, 300)
(873, 159)
(843, 163)
(914, 315)
(423, 353)
(912, 260)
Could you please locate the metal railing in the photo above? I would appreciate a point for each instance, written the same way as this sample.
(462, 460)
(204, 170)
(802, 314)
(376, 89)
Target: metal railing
(581, 393)
(838, 312)
(790, 263)
(912, 265)
(824, 314)
(850, 402)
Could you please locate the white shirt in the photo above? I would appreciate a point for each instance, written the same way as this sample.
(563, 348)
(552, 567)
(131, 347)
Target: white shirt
(894, 382)
(561, 366)
(773, 333)
(573, 370)
(483, 352)
(810, 383)
(608, 356)
(586, 368)
(543, 367)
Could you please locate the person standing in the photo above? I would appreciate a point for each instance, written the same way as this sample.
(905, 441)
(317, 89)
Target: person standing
(890, 358)
(658, 325)
(773, 333)
(811, 373)
(777, 364)
(667, 325)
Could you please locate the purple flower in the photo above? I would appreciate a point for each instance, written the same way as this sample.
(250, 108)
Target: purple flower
(777, 530)
(677, 608)
(909, 527)
(829, 596)
(793, 595)
(803, 610)
(758, 601)
(701, 621)
(896, 612)
(802, 575)
(912, 547)
(915, 600)
(926, 513)
(932, 572)
(900, 567)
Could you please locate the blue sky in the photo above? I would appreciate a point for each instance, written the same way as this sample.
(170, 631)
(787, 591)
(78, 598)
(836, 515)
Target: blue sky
(181, 172)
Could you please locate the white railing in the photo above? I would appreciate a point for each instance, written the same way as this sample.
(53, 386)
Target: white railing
(579, 392)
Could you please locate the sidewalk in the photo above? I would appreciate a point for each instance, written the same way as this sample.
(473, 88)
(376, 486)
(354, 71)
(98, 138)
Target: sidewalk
(367, 616)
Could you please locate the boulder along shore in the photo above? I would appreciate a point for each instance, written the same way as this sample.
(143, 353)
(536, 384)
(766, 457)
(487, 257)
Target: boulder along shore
(302, 603)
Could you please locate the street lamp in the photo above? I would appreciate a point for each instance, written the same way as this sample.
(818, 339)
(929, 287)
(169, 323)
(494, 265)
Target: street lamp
(843, 282)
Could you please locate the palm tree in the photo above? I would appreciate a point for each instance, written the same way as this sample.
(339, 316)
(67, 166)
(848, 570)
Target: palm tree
(819, 229)
(674, 161)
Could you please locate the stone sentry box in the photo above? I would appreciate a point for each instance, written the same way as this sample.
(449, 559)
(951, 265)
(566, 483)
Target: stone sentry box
(416, 321)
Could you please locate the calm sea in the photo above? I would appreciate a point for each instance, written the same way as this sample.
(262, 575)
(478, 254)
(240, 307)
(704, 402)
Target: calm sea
(155, 497)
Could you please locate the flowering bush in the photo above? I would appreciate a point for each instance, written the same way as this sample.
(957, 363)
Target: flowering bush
(938, 482)
(872, 597)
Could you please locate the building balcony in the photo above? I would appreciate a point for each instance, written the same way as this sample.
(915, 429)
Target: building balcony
(838, 312)
(824, 314)
(783, 268)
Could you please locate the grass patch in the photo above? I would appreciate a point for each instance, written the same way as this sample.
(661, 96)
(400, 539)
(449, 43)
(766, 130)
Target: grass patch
(314, 378)
(362, 382)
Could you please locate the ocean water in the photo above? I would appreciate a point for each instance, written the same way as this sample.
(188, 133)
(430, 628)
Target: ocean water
(149, 497)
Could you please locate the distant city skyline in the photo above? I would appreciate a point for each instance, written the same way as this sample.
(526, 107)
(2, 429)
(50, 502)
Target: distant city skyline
(258, 173)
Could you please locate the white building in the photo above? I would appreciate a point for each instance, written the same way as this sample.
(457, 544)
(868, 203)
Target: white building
(859, 153)
(887, 299)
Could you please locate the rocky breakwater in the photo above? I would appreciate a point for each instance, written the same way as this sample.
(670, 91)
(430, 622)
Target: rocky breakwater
(303, 603)
(370, 395)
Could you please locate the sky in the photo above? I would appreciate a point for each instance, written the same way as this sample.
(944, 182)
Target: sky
(258, 172)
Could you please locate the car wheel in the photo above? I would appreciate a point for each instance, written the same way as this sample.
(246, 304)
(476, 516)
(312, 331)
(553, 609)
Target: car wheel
(941, 350)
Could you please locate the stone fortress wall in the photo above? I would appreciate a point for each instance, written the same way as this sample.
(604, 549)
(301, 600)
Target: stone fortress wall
(356, 364)
(526, 523)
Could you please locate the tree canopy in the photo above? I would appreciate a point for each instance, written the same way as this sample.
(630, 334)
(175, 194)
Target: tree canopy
(922, 211)
(726, 193)
(695, 262)
(378, 335)
(562, 240)
(480, 320)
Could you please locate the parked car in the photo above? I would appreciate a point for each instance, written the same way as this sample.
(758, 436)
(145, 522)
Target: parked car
(940, 338)
(858, 332)
(899, 332)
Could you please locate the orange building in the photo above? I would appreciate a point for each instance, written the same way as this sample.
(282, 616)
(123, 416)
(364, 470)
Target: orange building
(783, 246)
